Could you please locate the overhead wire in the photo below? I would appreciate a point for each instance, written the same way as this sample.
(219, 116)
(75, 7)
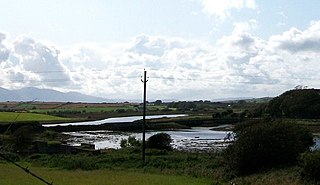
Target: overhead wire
(26, 169)
(220, 81)
(172, 70)
(210, 79)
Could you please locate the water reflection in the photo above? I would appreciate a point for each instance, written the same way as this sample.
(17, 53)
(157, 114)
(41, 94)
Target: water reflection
(198, 138)
(316, 140)
(115, 120)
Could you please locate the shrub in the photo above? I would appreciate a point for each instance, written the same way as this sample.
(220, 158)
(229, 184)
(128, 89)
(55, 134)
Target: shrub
(130, 142)
(310, 167)
(160, 141)
(266, 145)
(23, 137)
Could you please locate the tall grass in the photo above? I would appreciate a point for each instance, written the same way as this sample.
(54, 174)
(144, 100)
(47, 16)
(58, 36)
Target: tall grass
(10, 175)
(179, 163)
(125, 167)
(285, 176)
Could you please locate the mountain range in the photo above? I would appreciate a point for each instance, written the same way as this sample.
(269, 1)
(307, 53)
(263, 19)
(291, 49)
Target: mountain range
(47, 95)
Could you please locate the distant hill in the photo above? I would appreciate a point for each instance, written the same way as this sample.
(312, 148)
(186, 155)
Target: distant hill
(7, 95)
(247, 99)
(46, 95)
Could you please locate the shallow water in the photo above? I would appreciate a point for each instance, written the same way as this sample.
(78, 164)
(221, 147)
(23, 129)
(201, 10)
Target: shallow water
(198, 138)
(115, 120)
(316, 146)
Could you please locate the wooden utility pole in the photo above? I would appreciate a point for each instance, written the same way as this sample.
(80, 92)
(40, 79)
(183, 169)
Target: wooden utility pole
(144, 115)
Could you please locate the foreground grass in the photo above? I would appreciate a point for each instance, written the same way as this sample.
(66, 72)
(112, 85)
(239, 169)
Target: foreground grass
(22, 116)
(177, 167)
(157, 161)
(286, 176)
(11, 175)
(125, 167)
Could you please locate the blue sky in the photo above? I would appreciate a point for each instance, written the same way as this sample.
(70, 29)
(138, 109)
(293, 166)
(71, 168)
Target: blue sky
(67, 22)
(254, 47)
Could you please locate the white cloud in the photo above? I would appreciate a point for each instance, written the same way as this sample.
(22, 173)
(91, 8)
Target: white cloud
(251, 4)
(4, 51)
(296, 40)
(28, 62)
(240, 64)
(241, 27)
(222, 9)
(40, 59)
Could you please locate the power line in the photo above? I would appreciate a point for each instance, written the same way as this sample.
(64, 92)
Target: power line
(220, 81)
(157, 77)
(175, 71)
(47, 80)
(264, 80)
(27, 170)
(77, 71)
(69, 79)
(228, 74)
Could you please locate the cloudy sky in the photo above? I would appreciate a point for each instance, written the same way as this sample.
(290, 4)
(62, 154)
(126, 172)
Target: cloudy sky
(191, 49)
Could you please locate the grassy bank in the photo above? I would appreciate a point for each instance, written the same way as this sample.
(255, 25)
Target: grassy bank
(286, 176)
(11, 175)
(22, 116)
(117, 167)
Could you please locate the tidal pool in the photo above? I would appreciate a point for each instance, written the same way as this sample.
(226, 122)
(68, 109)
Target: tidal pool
(197, 138)
(316, 145)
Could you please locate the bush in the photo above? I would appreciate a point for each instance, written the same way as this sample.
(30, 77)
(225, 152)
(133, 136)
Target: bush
(160, 141)
(310, 167)
(23, 137)
(264, 145)
(130, 142)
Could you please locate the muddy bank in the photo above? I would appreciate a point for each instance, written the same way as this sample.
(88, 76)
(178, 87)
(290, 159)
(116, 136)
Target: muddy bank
(124, 126)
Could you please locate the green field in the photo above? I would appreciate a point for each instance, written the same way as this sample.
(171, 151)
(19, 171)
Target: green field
(22, 116)
(11, 175)
(84, 109)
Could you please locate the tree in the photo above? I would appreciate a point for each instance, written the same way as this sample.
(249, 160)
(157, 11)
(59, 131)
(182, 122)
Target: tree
(22, 138)
(130, 142)
(300, 103)
(241, 102)
(160, 141)
(265, 145)
(158, 102)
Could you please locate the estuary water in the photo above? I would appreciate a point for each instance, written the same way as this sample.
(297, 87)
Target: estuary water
(316, 143)
(115, 120)
(197, 138)
(194, 139)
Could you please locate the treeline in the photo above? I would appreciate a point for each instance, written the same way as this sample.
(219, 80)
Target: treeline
(299, 103)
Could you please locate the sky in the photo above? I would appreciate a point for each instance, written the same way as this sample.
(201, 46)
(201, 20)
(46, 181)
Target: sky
(191, 49)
